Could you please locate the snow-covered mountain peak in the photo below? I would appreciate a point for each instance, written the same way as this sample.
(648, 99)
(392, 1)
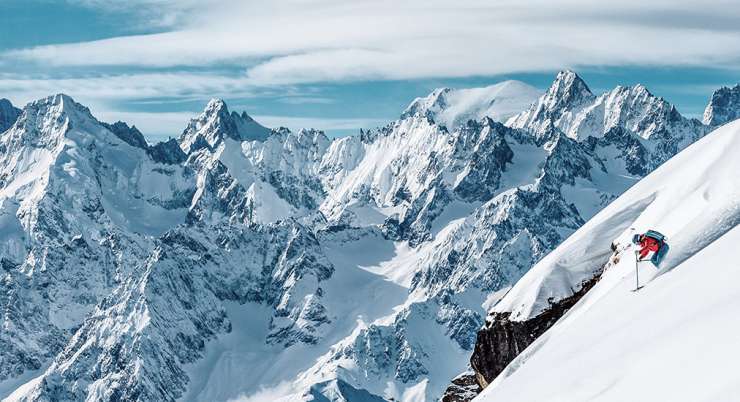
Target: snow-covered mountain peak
(567, 89)
(569, 107)
(62, 104)
(723, 107)
(216, 105)
(216, 123)
(46, 121)
(8, 114)
(557, 109)
(454, 107)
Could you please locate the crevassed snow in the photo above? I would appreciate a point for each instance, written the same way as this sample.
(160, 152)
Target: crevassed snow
(618, 345)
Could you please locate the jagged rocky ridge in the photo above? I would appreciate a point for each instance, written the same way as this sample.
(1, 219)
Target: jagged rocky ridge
(723, 106)
(443, 218)
(8, 114)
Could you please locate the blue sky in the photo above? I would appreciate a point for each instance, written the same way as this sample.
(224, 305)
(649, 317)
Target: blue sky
(339, 66)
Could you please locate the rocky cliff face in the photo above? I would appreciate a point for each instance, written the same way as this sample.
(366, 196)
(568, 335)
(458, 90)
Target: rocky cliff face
(501, 339)
(723, 107)
(8, 114)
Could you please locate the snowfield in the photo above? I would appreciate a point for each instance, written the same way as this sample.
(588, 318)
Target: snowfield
(677, 337)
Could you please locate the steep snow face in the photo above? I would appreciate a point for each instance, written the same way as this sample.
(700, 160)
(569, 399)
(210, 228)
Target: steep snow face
(78, 207)
(453, 108)
(694, 199)
(216, 123)
(557, 108)
(8, 114)
(723, 107)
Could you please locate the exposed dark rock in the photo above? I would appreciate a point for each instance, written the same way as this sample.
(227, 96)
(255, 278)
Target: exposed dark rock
(464, 388)
(8, 114)
(168, 152)
(130, 135)
(501, 339)
(723, 107)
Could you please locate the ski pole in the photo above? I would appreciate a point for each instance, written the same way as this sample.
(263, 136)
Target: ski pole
(637, 273)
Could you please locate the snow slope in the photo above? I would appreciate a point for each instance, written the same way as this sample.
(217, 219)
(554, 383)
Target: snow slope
(672, 340)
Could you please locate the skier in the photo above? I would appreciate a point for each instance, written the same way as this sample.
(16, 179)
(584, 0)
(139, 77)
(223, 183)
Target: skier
(648, 245)
(651, 246)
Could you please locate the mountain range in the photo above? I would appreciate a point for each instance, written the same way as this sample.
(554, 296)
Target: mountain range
(241, 262)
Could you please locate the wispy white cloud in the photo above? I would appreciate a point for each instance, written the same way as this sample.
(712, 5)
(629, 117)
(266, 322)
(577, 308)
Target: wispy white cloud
(297, 41)
(147, 13)
(307, 100)
(176, 86)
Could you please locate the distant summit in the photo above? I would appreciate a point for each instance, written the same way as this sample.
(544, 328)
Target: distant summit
(454, 107)
(723, 107)
(216, 123)
(8, 114)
